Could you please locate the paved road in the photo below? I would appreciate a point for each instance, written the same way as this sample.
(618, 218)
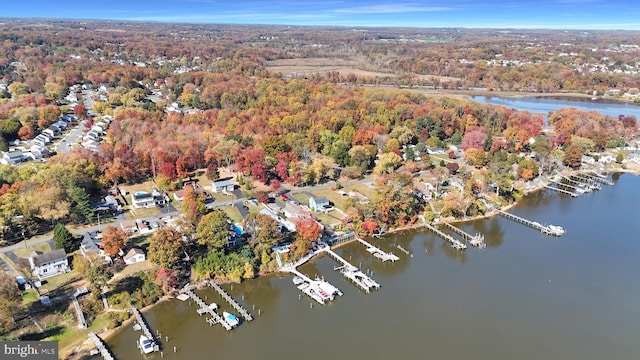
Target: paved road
(64, 146)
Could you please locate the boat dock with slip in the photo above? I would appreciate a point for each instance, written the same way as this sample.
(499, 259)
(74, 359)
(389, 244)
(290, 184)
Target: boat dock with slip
(476, 240)
(206, 309)
(104, 351)
(597, 177)
(455, 243)
(570, 193)
(354, 274)
(547, 230)
(319, 290)
(384, 256)
(147, 342)
(242, 311)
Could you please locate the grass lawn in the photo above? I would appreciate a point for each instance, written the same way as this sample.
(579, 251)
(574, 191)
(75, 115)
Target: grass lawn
(72, 335)
(233, 213)
(254, 209)
(362, 189)
(302, 198)
(221, 196)
(57, 281)
(28, 297)
(141, 213)
(24, 252)
(330, 219)
(135, 268)
(140, 240)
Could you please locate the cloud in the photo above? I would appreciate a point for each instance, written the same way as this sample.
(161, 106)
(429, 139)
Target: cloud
(390, 9)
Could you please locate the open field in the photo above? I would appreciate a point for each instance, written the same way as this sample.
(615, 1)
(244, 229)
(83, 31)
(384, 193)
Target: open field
(342, 66)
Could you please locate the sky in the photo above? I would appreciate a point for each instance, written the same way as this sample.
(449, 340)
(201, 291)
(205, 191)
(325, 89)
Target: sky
(551, 14)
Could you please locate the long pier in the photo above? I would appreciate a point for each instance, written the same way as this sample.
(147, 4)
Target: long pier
(354, 274)
(384, 256)
(145, 328)
(106, 354)
(82, 322)
(547, 230)
(242, 311)
(204, 308)
(476, 240)
(455, 243)
(571, 193)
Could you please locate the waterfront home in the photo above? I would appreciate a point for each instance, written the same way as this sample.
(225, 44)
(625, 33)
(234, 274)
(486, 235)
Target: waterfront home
(587, 160)
(222, 185)
(318, 203)
(294, 211)
(134, 255)
(49, 264)
(91, 242)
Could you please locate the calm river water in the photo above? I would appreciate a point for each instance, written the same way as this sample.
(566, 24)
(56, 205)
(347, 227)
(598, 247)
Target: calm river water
(544, 105)
(526, 296)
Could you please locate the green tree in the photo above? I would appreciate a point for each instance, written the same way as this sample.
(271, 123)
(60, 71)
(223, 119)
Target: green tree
(165, 247)
(63, 239)
(619, 158)
(387, 163)
(98, 276)
(213, 229)
(81, 210)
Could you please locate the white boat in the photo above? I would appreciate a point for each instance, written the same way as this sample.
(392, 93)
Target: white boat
(556, 230)
(231, 319)
(297, 280)
(146, 345)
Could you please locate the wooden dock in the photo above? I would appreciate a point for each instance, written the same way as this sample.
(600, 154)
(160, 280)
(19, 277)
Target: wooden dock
(455, 243)
(145, 328)
(104, 351)
(82, 322)
(476, 240)
(242, 311)
(599, 178)
(206, 309)
(547, 230)
(570, 193)
(376, 252)
(354, 274)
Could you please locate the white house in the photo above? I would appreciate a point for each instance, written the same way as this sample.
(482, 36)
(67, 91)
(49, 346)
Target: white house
(12, 158)
(134, 255)
(294, 211)
(318, 203)
(49, 264)
(223, 185)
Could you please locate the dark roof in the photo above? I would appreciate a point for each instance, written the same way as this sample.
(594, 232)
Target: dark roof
(320, 199)
(222, 182)
(91, 242)
(49, 257)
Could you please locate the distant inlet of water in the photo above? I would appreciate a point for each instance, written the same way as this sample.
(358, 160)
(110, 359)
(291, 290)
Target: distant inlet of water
(544, 105)
(525, 296)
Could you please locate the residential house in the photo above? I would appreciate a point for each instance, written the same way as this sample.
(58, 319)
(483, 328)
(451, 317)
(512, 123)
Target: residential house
(436, 150)
(222, 185)
(318, 203)
(178, 195)
(294, 211)
(143, 199)
(144, 227)
(129, 226)
(49, 264)
(40, 140)
(51, 132)
(91, 243)
(12, 158)
(587, 160)
(134, 255)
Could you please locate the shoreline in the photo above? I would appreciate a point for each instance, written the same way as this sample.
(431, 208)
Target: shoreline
(78, 351)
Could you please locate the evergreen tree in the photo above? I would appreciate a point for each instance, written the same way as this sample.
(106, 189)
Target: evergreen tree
(81, 211)
(63, 239)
